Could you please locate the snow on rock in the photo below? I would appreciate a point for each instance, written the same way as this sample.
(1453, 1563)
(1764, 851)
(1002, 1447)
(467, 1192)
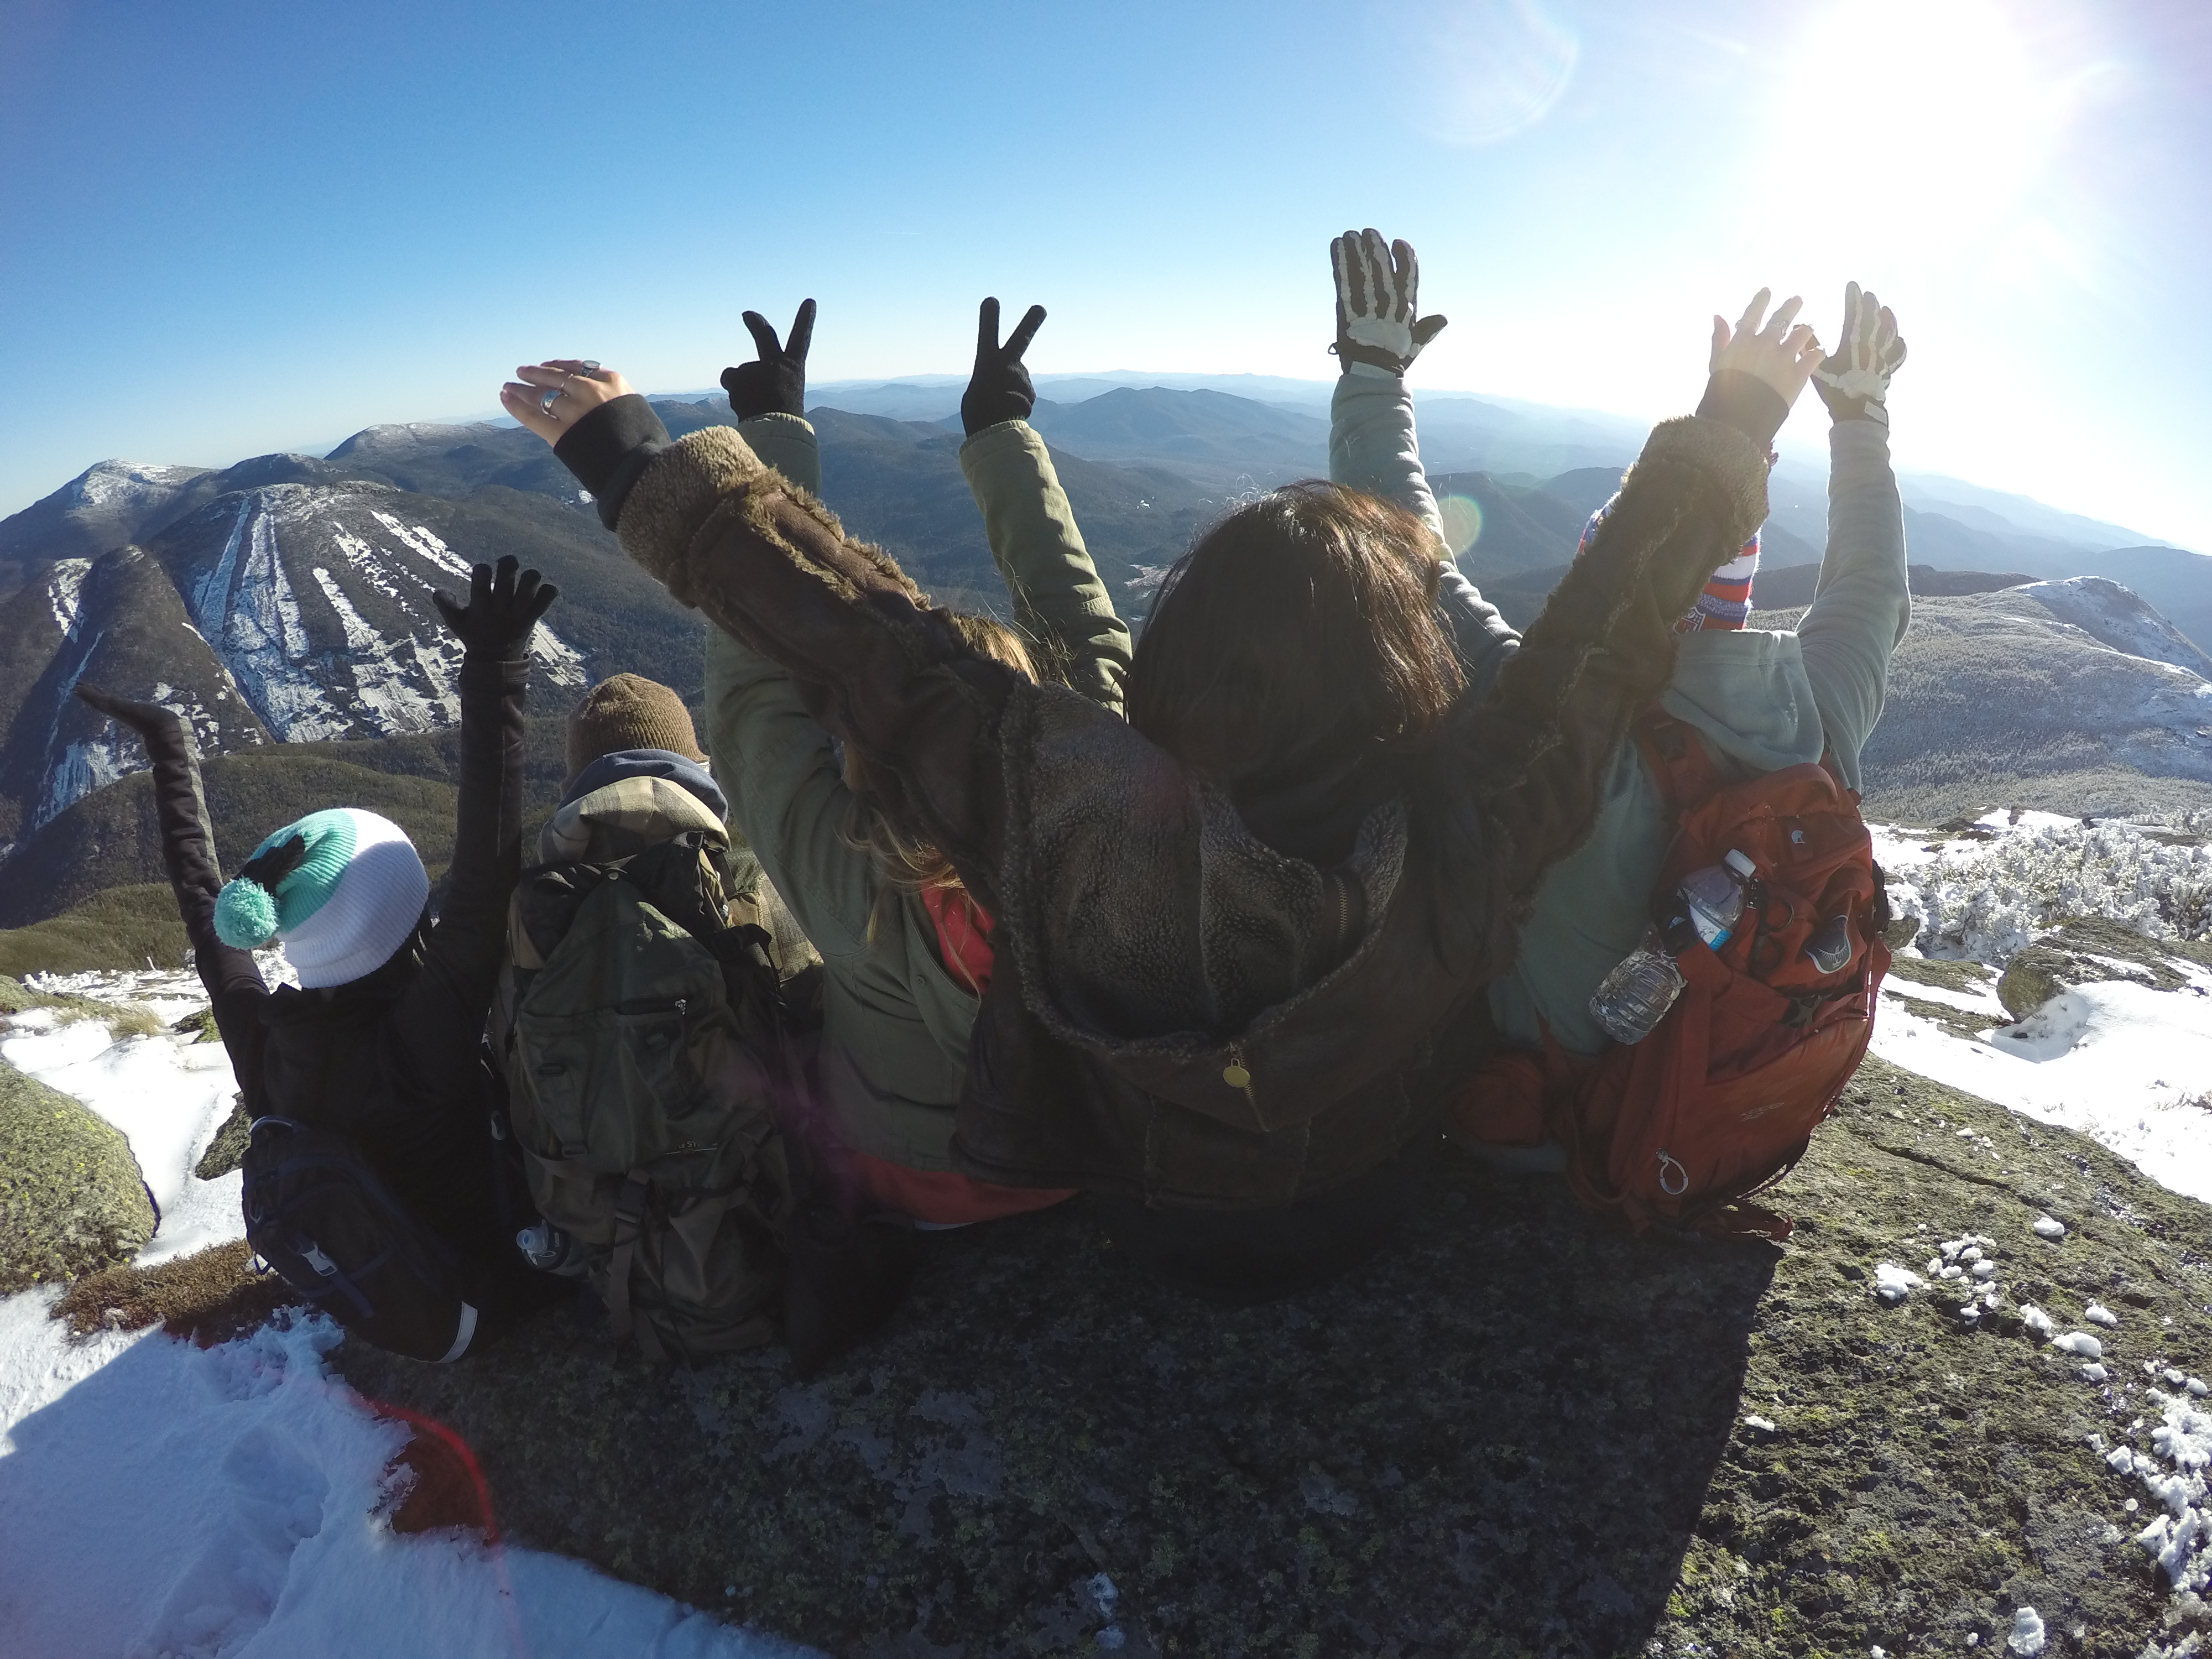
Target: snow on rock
(2172, 1473)
(2115, 617)
(158, 1498)
(1892, 1284)
(2097, 1314)
(2026, 1638)
(65, 591)
(2050, 1227)
(167, 1094)
(246, 609)
(2037, 1322)
(2081, 1343)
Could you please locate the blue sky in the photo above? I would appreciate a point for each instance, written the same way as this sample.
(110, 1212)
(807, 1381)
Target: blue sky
(231, 226)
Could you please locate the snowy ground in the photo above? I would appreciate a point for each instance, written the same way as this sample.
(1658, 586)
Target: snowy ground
(158, 1499)
(2119, 1061)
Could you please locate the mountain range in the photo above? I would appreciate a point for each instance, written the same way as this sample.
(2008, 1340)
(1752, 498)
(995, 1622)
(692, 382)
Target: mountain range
(284, 603)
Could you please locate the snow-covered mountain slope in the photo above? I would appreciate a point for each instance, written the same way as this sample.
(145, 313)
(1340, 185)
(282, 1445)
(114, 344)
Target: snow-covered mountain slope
(115, 622)
(2115, 616)
(1993, 698)
(101, 508)
(317, 599)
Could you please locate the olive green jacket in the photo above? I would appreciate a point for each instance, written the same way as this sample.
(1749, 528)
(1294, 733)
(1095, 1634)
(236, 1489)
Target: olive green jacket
(895, 1023)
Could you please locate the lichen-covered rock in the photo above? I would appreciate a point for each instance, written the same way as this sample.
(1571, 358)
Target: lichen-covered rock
(227, 1149)
(2085, 949)
(2032, 976)
(1519, 1431)
(71, 1197)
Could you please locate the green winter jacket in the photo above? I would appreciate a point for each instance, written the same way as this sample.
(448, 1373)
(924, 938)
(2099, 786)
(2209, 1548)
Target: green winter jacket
(895, 1023)
(1761, 700)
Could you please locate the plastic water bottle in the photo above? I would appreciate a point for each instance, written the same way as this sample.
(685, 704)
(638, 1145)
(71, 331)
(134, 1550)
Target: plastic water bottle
(1636, 995)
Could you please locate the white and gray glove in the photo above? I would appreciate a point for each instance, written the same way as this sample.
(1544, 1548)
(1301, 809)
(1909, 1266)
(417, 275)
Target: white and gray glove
(1854, 382)
(1378, 325)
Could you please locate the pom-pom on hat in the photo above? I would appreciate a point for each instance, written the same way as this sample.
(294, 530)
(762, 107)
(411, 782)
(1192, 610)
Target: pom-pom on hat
(343, 889)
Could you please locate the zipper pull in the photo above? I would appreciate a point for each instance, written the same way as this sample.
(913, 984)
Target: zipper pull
(1235, 1074)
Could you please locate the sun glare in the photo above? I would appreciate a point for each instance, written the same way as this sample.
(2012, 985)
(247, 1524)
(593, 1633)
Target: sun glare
(1931, 109)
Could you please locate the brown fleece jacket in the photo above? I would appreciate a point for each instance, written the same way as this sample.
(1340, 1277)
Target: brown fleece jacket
(1177, 1014)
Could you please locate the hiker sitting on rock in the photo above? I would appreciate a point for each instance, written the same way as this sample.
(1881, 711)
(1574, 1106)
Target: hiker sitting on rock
(371, 1181)
(1229, 931)
(906, 951)
(1757, 700)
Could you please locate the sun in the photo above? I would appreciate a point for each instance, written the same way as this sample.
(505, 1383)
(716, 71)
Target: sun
(1930, 113)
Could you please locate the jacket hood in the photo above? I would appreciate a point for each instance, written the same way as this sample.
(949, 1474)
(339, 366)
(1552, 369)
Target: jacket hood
(1746, 693)
(679, 770)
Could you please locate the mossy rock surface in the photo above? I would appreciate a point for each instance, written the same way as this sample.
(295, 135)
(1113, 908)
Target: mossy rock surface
(71, 1197)
(2087, 949)
(227, 1149)
(1521, 1430)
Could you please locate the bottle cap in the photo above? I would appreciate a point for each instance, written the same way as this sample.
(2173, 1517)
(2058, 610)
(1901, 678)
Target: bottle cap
(1741, 863)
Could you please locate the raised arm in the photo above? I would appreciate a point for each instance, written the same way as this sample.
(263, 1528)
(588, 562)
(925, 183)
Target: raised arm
(1864, 602)
(447, 1002)
(1529, 763)
(235, 988)
(1372, 445)
(1059, 601)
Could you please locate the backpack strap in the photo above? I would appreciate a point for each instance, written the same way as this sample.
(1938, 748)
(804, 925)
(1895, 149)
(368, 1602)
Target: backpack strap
(1680, 765)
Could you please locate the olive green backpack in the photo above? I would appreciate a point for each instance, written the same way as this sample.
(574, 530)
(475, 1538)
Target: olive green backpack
(650, 1073)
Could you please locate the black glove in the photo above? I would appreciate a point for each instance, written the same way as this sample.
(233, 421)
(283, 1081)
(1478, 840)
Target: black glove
(1854, 380)
(502, 611)
(776, 385)
(999, 389)
(146, 719)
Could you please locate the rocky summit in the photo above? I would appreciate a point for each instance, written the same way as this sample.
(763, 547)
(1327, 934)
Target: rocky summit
(1945, 1406)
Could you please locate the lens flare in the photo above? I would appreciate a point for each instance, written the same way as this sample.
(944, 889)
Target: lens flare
(1494, 67)
(1463, 517)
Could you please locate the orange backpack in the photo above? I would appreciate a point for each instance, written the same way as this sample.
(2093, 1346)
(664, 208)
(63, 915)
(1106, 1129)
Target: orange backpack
(1721, 1099)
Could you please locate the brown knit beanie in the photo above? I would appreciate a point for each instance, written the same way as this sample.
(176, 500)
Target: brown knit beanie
(629, 711)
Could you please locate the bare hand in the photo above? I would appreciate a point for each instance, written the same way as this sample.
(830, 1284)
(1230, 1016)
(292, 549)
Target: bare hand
(1781, 356)
(550, 397)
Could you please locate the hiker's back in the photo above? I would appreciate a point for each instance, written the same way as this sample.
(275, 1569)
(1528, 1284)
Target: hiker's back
(650, 1070)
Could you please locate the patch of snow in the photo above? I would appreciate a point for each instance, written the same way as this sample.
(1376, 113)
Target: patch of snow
(2050, 1227)
(1983, 1002)
(248, 611)
(2093, 1372)
(158, 1498)
(1761, 1423)
(426, 544)
(84, 765)
(2026, 1638)
(2173, 1474)
(65, 592)
(2081, 1343)
(384, 691)
(2097, 1314)
(2101, 1059)
(167, 1094)
(562, 663)
(1892, 1284)
(2037, 1322)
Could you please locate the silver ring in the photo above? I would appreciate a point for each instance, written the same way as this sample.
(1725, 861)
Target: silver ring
(545, 403)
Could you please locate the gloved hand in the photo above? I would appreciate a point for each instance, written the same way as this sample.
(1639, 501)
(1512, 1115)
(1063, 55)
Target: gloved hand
(145, 718)
(999, 389)
(776, 384)
(1378, 324)
(1854, 383)
(502, 609)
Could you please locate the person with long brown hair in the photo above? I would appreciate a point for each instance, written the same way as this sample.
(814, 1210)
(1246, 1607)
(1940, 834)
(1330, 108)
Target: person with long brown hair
(1241, 940)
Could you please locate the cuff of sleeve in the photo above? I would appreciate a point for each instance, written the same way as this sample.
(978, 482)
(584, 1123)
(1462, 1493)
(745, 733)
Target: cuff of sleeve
(609, 448)
(1745, 403)
(1002, 437)
(1736, 464)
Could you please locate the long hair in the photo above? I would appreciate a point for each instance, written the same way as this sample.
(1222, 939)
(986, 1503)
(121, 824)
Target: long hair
(1297, 637)
(904, 863)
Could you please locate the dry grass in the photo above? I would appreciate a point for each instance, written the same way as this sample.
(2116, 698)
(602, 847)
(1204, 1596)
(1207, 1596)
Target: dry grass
(209, 1297)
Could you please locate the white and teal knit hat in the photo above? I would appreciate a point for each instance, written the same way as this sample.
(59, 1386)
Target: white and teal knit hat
(343, 900)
